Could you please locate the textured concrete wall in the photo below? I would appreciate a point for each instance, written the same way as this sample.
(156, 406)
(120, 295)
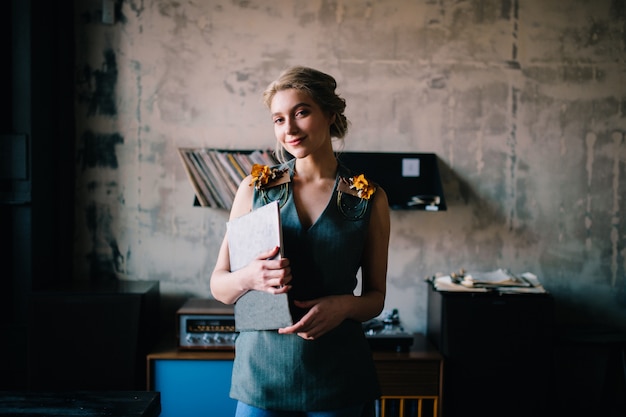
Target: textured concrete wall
(523, 101)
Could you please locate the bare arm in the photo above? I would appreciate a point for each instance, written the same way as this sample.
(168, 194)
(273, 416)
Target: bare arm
(375, 261)
(261, 274)
(327, 313)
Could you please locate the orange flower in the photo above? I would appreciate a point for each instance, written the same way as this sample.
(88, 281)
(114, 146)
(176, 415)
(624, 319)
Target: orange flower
(363, 186)
(262, 174)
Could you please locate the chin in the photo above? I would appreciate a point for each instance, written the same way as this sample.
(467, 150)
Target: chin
(298, 153)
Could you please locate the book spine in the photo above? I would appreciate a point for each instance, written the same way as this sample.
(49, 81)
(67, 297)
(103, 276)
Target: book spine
(221, 181)
(229, 186)
(236, 167)
(244, 162)
(203, 193)
(211, 180)
(234, 176)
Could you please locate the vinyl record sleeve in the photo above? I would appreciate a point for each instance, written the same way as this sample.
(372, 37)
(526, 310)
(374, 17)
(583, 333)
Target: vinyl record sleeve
(248, 236)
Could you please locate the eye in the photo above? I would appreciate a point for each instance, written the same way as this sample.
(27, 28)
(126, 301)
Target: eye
(302, 113)
(278, 120)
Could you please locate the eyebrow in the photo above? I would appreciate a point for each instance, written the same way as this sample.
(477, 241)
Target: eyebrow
(301, 104)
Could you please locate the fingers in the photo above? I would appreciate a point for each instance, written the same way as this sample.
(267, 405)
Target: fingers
(271, 254)
(318, 320)
(271, 275)
(271, 263)
(294, 328)
(279, 289)
(305, 304)
(270, 272)
(305, 327)
(279, 277)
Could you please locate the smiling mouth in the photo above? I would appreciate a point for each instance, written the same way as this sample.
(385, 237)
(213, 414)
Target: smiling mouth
(295, 141)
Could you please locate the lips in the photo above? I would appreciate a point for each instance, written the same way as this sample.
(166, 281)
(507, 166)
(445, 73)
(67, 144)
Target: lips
(294, 142)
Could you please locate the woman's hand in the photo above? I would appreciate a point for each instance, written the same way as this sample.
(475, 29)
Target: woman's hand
(268, 274)
(324, 314)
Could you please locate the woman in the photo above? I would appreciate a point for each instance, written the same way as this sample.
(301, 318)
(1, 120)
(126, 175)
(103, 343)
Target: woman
(334, 222)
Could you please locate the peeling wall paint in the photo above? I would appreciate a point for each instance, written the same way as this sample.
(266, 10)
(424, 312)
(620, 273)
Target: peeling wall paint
(523, 102)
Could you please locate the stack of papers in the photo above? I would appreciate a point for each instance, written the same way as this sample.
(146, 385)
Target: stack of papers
(499, 279)
(445, 283)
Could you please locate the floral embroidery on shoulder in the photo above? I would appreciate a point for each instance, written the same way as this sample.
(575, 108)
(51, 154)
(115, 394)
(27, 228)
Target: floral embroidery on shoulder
(264, 177)
(358, 186)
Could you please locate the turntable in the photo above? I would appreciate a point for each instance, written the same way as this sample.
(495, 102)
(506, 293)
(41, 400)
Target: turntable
(385, 333)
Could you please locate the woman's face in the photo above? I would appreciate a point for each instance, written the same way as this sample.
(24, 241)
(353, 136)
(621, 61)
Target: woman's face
(300, 125)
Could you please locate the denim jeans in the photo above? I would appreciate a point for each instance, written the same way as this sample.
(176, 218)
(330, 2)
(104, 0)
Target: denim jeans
(245, 410)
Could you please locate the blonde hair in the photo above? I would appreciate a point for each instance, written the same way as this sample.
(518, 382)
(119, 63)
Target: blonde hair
(321, 88)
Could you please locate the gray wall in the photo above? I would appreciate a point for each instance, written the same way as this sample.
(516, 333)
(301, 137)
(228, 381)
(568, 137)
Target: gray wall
(524, 102)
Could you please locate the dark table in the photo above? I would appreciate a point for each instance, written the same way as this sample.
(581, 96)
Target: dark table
(81, 403)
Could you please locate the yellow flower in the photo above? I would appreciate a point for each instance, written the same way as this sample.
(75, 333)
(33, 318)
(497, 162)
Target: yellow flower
(363, 186)
(262, 174)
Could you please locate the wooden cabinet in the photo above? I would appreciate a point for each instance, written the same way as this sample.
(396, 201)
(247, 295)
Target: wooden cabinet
(497, 350)
(410, 382)
(192, 383)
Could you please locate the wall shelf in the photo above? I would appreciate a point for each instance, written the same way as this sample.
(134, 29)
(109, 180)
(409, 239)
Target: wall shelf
(411, 180)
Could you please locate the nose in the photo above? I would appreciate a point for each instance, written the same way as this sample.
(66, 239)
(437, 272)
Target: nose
(291, 126)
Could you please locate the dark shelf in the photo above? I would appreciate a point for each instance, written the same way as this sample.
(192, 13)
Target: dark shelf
(411, 180)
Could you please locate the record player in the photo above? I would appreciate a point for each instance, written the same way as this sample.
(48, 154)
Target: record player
(385, 333)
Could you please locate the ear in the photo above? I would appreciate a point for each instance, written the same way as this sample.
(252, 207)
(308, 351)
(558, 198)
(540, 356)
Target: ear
(332, 119)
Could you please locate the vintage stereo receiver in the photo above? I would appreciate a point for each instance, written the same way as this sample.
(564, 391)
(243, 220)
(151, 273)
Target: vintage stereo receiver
(205, 324)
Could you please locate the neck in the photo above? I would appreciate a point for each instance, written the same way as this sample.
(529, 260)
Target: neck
(314, 168)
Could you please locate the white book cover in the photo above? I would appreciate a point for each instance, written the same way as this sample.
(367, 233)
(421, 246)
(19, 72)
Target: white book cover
(248, 236)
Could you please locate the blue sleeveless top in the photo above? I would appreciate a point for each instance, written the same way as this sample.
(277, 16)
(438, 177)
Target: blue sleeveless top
(285, 372)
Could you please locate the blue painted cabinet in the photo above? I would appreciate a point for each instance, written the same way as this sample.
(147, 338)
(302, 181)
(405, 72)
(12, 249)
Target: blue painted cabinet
(192, 384)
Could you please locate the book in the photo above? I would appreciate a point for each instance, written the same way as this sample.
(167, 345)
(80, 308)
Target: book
(248, 236)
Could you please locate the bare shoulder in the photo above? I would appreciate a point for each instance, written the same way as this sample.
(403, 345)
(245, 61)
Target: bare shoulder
(380, 201)
(243, 198)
